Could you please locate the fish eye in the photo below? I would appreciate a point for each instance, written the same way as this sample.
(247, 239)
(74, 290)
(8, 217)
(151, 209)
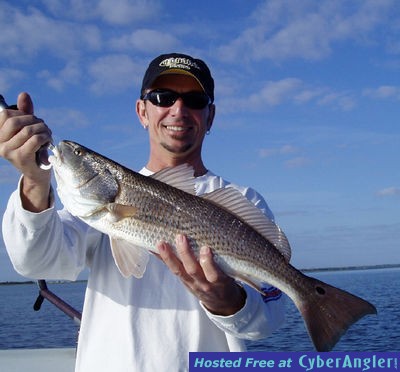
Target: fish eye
(78, 152)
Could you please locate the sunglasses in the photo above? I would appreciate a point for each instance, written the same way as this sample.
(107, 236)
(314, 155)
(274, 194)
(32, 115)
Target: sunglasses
(166, 98)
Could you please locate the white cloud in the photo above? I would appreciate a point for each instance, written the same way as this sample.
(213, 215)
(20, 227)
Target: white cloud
(274, 92)
(383, 92)
(308, 94)
(283, 150)
(340, 99)
(283, 29)
(70, 74)
(122, 12)
(42, 33)
(284, 91)
(389, 191)
(9, 77)
(286, 152)
(114, 73)
(72, 9)
(64, 117)
(145, 40)
(297, 162)
(115, 12)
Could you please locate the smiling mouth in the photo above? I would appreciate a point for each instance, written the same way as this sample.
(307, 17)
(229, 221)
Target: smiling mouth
(177, 129)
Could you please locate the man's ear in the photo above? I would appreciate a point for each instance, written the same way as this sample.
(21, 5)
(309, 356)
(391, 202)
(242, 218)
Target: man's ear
(211, 116)
(142, 113)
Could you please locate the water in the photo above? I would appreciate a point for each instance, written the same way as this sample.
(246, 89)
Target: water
(371, 333)
(21, 327)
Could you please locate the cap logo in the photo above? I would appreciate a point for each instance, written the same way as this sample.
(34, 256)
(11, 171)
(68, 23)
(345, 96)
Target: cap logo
(181, 63)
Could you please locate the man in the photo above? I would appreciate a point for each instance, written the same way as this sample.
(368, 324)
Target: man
(182, 303)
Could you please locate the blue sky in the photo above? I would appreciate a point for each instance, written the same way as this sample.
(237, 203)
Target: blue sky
(307, 96)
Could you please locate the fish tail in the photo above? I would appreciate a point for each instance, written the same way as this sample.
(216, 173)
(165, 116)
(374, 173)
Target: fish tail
(329, 311)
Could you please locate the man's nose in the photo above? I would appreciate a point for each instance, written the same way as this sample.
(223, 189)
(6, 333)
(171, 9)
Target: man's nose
(179, 107)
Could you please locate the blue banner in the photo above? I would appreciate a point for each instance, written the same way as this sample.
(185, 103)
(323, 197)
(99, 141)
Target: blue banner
(294, 361)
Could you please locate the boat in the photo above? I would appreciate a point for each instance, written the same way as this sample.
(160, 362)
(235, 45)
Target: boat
(43, 360)
(38, 360)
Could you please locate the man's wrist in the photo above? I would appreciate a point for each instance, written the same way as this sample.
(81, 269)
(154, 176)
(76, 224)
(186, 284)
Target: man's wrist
(35, 197)
(235, 304)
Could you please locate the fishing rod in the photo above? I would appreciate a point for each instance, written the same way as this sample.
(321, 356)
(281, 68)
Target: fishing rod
(45, 293)
(41, 154)
(3, 104)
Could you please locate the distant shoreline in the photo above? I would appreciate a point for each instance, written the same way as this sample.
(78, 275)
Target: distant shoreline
(351, 268)
(35, 282)
(309, 270)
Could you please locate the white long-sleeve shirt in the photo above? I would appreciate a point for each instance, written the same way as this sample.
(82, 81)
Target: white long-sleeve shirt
(148, 324)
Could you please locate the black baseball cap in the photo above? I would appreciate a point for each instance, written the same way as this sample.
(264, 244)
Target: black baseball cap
(177, 63)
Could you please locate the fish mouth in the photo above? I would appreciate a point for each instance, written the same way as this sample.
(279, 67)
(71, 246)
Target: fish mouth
(56, 158)
(56, 162)
(42, 156)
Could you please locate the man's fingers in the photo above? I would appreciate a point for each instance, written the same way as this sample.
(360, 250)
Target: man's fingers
(211, 271)
(187, 257)
(167, 255)
(24, 103)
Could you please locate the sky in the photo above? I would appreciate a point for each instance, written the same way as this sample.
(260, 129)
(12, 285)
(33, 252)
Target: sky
(307, 103)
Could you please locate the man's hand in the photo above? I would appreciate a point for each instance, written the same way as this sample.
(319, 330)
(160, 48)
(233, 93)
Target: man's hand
(21, 135)
(219, 293)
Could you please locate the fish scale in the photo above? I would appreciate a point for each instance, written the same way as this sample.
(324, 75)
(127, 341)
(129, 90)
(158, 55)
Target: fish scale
(171, 215)
(137, 212)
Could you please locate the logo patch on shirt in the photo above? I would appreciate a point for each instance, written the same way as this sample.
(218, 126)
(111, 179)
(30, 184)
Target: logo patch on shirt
(271, 294)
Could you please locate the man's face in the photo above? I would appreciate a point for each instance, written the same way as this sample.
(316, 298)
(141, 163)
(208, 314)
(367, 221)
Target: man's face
(177, 130)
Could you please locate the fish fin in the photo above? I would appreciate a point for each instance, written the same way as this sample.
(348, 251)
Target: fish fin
(250, 282)
(130, 259)
(120, 211)
(329, 311)
(235, 202)
(181, 177)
